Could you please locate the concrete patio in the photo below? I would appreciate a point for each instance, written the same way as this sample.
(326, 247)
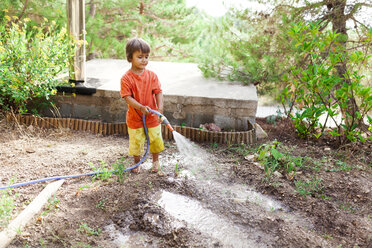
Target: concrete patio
(189, 98)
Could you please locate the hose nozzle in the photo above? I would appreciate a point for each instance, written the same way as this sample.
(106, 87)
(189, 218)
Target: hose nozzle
(170, 127)
(163, 119)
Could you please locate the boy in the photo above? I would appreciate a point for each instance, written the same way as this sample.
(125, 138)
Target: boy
(141, 90)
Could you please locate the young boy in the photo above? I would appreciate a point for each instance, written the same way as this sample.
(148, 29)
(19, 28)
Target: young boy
(141, 90)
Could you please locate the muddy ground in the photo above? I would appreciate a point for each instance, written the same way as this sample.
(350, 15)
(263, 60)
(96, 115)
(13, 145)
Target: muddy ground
(221, 199)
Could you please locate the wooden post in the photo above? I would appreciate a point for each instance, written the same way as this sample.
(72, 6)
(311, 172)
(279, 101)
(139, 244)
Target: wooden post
(125, 130)
(28, 213)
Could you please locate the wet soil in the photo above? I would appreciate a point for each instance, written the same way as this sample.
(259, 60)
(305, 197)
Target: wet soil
(227, 183)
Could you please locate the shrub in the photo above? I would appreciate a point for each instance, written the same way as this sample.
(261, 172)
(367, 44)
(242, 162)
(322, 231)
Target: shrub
(317, 88)
(30, 59)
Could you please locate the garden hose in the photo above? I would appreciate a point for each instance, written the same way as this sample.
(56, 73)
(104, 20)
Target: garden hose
(91, 173)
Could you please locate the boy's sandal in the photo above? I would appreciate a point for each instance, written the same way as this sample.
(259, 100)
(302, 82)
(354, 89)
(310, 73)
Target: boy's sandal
(155, 167)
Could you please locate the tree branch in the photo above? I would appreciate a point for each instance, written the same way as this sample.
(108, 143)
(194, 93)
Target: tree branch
(23, 11)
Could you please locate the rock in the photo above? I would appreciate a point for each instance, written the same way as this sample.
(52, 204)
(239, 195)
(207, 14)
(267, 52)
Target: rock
(260, 133)
(250, 157)
(278, 174)
(210, 127)
(30, 150)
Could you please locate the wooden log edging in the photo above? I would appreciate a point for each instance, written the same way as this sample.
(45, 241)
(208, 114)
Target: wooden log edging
(104, 128)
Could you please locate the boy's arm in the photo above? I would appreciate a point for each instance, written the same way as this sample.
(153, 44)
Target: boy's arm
(159, 102)
(134, 104)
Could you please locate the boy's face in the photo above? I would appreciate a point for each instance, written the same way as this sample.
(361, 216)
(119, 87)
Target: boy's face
(139, 61)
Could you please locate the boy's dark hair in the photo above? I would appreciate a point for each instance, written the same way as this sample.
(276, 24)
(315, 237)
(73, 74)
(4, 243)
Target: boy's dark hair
(136, 44)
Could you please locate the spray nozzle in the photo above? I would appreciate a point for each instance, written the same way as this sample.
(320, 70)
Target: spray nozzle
(163, 119)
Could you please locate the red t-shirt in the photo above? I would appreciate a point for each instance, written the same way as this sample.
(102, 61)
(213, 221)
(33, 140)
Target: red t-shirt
(142, 88)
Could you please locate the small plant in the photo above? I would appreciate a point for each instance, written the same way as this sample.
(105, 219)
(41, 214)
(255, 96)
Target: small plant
(346, 206)
(102, 172)
(84, 228)
(150, 185)
(6, 207)
(176, 170)
(42, 244)
(101, 204)
(119, 168)
(308, 187)
(52, 205)
(214, 145)
(342, 166)
(274, 160)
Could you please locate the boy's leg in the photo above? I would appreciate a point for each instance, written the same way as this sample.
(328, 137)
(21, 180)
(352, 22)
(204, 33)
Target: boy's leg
(156, 146)
(155, 162)
(136, 160)
(136, 142)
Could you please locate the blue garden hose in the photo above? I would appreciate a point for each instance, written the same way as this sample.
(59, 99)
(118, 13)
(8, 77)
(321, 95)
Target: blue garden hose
(91, 173)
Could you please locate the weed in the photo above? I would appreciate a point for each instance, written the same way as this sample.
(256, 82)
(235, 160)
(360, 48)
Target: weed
(214, 146)
(84, 228)
(242, 149)
(102, 172)
(346, 206)
(342, 166)
(276, 184)
(327, 236)
(6, 207)
(150, 185)
(324, 197)
(119, 168)
(176, 170)
(42, 243)
(309, 187)
(52, 204)
(101, 204)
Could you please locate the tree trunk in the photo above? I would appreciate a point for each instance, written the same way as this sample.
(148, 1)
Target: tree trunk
(92, 13)
(338, 19)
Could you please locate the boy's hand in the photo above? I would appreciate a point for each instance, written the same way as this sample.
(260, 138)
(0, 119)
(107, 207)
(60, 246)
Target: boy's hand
(145, 110)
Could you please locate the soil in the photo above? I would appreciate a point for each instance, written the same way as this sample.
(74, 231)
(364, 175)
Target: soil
(94, 212)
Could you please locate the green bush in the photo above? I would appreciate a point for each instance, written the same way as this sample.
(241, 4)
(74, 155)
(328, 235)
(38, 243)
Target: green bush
(316, 87)
(30, 59)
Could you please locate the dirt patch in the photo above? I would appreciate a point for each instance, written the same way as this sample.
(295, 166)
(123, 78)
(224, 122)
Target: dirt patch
(227, 187)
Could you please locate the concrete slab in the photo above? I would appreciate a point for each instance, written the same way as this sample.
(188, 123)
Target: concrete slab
(189, 98)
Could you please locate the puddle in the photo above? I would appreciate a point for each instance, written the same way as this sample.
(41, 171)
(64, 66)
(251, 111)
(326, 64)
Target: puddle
(204, 220)
(241, 193)
(120, 238)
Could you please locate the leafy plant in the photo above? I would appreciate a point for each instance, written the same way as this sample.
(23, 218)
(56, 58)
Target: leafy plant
(84, 228)
(316, 87)
(103, 173)
(6, 207)
(274, 160)
(308, 187)
(30, 59)
(101, 204)
(119, 168)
